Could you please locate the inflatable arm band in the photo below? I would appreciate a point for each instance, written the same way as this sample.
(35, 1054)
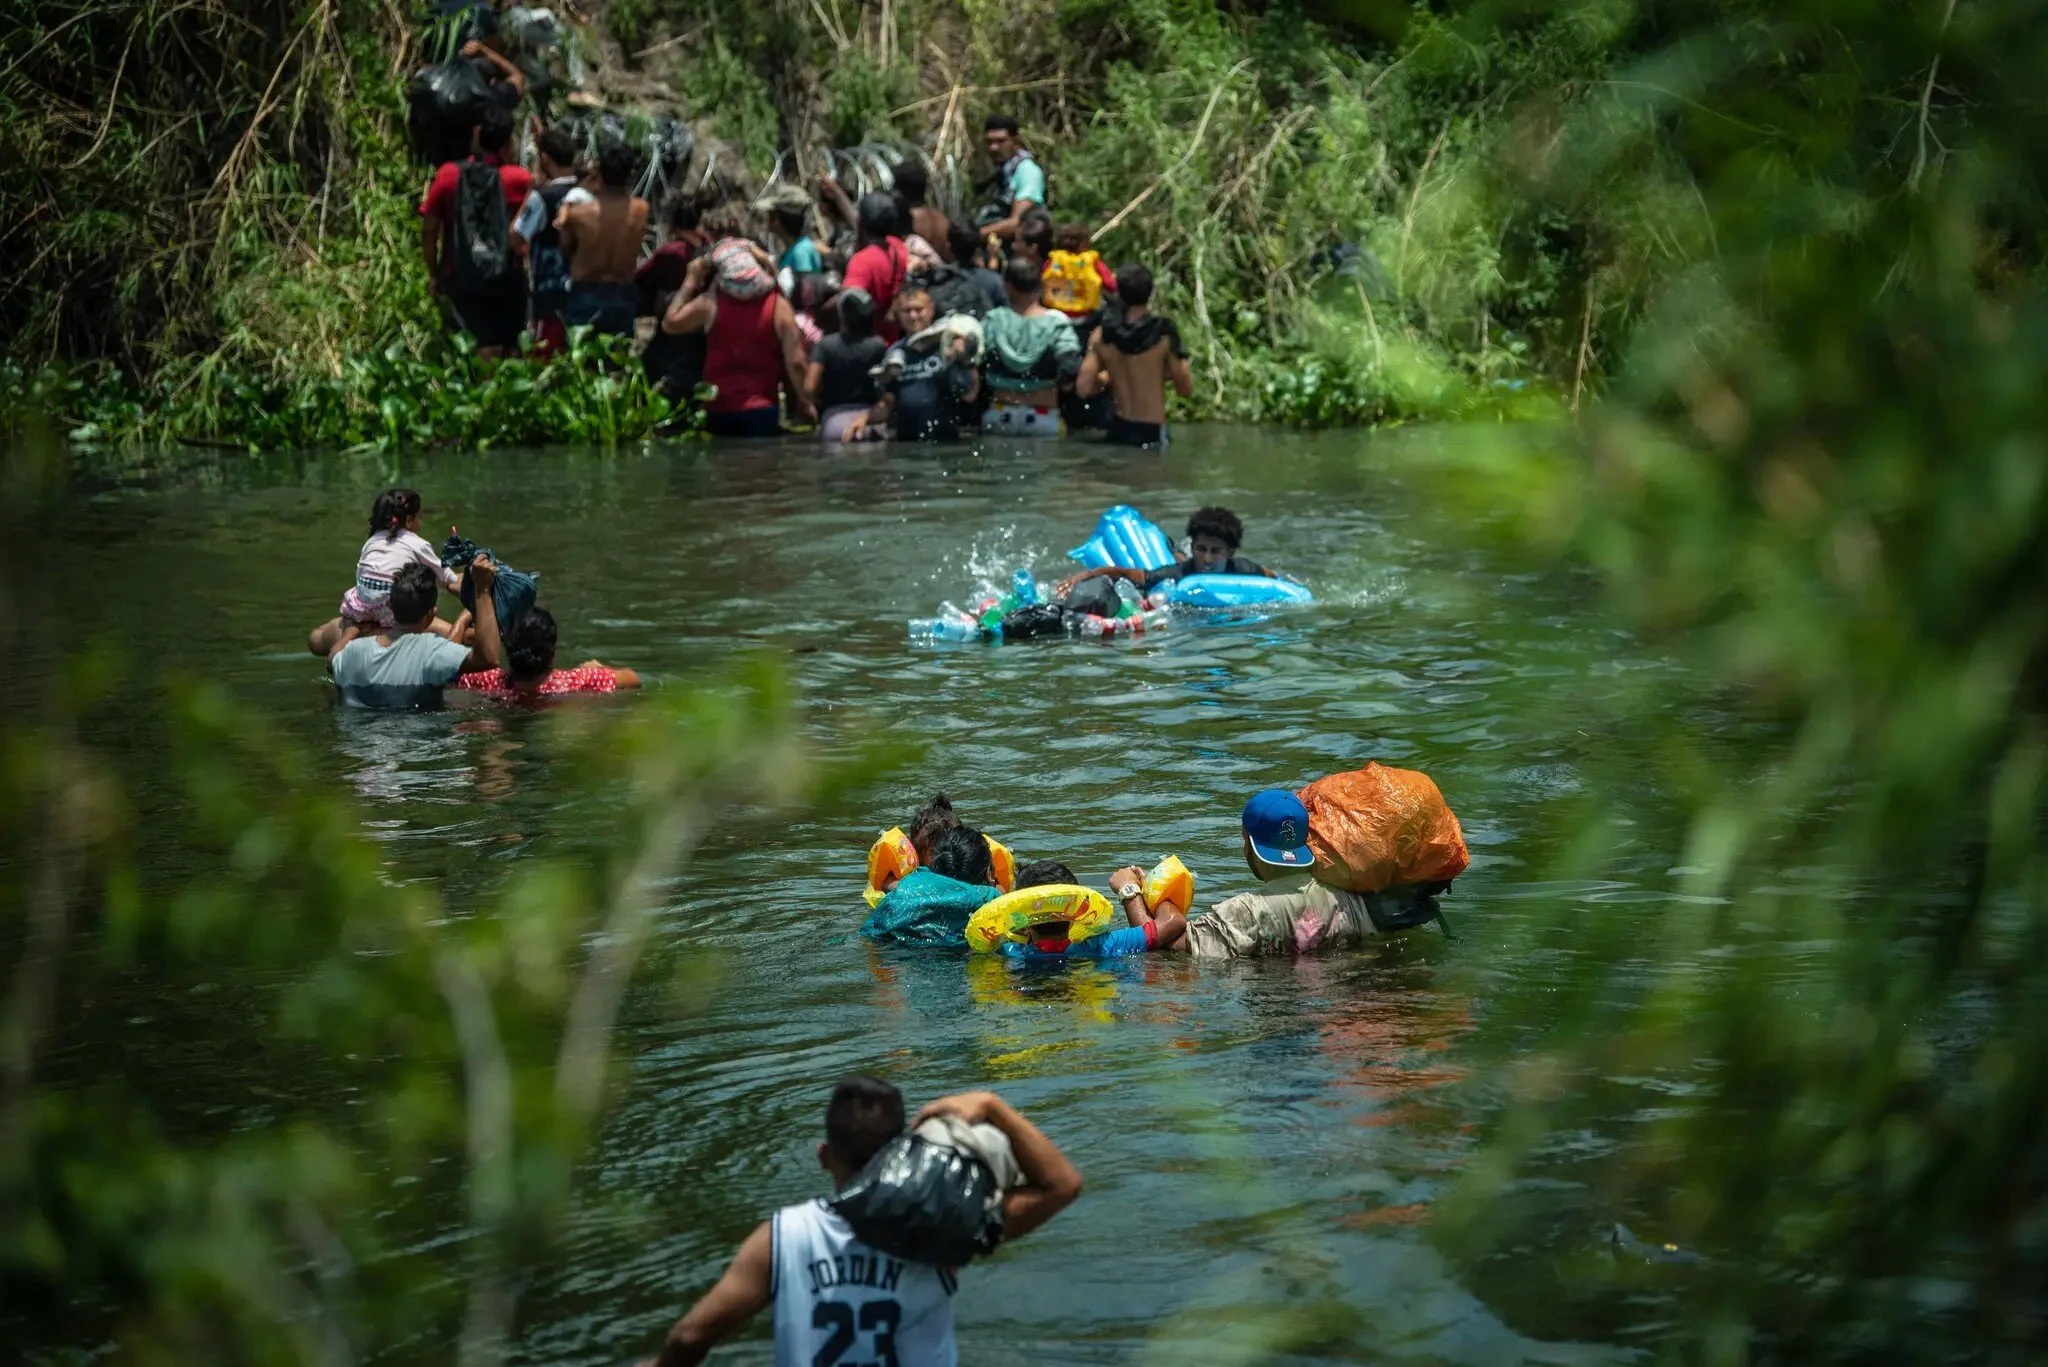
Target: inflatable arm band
(1124, 538)
(1086, 912)
(1236, 591)
(1170, 881)
(892, 856)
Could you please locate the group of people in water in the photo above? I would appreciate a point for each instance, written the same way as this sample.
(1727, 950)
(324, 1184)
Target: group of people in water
(871, 319)
(388, 647)
(834, 1297)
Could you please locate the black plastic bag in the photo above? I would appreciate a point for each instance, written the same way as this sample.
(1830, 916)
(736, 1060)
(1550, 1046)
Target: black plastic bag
(1034, 619)
(925, 1203)
(444, 102)
(1096, 597)
(512, 592)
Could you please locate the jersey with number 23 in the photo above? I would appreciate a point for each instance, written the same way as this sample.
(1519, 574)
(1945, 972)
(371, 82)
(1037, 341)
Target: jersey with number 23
(838, 1303)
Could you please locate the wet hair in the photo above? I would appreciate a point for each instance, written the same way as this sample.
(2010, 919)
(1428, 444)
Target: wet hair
(877, 215)
(1023, 276)
(1220, 523)
(1134, 286)
(391, 511)
(912, 183)
(414, 591)
(856, 314)
(962, 854)
(1005, 123)
(1042, 873)
(616, 163)
(530, 645)
(864, 1114)
(933, 820)
(1071, 237)
(558, 147)
(494, 131)
(683, 213)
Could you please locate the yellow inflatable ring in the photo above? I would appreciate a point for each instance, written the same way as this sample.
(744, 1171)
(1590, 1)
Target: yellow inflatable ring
(1086, 912)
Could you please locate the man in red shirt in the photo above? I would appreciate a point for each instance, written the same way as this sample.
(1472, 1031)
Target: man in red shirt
(881, 263)
(492, 311)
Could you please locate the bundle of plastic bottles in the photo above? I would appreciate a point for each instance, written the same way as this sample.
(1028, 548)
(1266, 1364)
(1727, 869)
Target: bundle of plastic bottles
(1136, 614)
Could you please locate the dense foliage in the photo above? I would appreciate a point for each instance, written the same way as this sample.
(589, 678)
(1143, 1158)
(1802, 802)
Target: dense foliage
(1800, 242)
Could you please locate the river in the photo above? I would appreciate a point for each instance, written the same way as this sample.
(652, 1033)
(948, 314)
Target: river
(1265, 1144)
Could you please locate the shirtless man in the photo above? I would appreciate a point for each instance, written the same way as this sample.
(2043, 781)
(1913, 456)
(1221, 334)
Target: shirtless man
(602, 235)
(1136, 356)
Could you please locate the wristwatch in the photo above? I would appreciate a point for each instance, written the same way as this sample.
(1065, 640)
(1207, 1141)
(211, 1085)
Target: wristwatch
(1128, 891)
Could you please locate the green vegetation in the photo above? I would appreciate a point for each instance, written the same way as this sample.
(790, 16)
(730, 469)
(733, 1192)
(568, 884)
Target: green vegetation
(1320, 199)
(1799, 248)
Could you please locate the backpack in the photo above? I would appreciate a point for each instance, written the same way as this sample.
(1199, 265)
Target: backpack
(1071, 282)
(483, 245)
(550, 263)
(953, 291)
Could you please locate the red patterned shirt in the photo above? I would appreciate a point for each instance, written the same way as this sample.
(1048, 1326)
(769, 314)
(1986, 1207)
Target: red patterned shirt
(582, 679)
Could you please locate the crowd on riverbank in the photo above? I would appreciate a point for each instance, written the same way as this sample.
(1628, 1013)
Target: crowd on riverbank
(868, 318)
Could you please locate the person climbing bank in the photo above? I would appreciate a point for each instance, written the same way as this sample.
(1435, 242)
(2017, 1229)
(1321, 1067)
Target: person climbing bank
(472, 256)
(601, 236)
(1019, 184)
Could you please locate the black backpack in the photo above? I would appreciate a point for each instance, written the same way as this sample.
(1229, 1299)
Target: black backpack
(482, 238)
(953, 291)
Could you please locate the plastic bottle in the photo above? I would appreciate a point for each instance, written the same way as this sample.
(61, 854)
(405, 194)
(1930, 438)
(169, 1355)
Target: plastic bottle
(950, 625)
(1023, 588)
(1128, 595)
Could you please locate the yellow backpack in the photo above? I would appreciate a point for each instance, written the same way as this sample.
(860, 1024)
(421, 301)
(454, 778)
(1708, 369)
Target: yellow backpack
(1071, 282)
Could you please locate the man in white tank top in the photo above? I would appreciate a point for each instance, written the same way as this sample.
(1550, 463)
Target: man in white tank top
(838, 1303)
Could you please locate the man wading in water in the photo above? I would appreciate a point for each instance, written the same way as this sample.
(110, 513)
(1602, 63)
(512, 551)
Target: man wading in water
(601, 236)
(1136, 356)
(837, 1300)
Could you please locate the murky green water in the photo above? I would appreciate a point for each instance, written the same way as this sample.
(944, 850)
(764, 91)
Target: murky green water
(1258, 1138)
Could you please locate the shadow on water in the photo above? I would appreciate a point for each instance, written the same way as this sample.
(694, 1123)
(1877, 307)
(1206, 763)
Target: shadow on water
(1263, 1142)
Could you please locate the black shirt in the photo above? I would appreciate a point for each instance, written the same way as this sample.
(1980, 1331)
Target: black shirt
(846, 379)
(928, 392)
(1234, 565)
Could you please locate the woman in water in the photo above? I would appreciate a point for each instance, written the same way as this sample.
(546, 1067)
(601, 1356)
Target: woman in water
(529, 673)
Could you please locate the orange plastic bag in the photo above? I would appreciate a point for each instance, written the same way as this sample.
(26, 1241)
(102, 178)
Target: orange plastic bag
(1376, 827)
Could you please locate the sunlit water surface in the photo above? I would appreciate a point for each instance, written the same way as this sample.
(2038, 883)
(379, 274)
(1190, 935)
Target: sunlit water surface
(1261, 1141)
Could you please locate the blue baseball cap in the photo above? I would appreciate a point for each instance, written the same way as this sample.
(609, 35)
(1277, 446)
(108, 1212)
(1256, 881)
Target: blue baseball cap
(1277, 825)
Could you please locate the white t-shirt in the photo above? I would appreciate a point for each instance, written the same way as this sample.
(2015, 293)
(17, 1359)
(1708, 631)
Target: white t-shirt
(837, 1301)
(382, 557)
(410, 672)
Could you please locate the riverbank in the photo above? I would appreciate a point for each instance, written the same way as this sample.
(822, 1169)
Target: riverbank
(1318, 197)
